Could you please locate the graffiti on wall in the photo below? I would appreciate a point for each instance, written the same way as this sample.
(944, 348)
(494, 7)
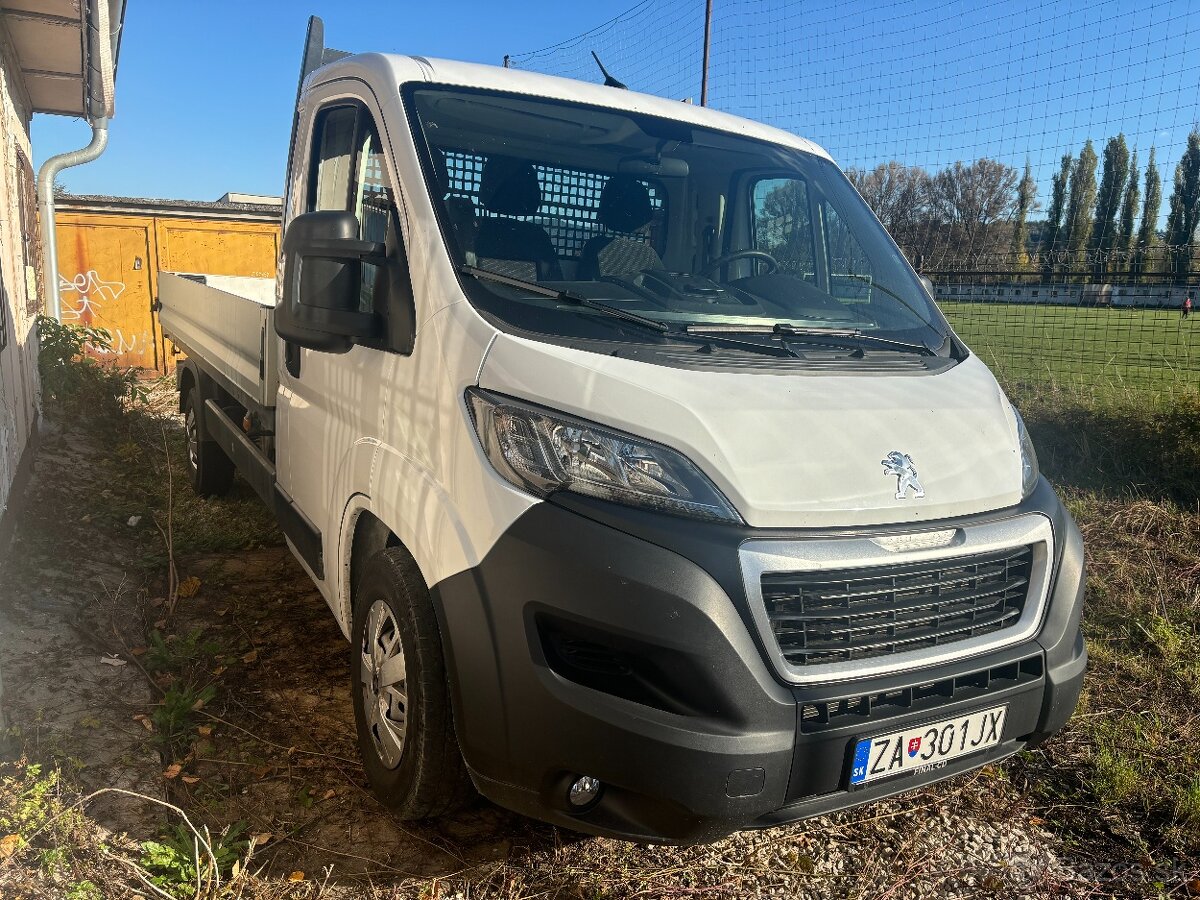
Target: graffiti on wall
(83, 298)
(91, 293)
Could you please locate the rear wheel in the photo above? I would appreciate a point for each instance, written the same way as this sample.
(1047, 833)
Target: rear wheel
(401, 694)
(209, 469)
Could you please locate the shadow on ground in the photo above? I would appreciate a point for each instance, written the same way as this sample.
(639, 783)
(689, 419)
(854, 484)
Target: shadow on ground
(1150, 450)
(278, 750)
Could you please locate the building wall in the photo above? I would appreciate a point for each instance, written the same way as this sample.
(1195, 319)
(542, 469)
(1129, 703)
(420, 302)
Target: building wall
(20, 255)
(1164, 296)
(108, 265)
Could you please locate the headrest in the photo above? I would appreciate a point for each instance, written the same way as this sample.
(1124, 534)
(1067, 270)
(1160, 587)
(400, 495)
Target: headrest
(624, 204)
(509, 187)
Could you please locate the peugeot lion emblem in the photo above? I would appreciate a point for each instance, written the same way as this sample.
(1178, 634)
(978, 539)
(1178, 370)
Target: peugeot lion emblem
(901, 465)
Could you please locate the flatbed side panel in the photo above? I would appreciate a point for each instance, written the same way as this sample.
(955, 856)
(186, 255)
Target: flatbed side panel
(226, 324)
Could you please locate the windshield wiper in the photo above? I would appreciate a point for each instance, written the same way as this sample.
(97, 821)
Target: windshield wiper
(564, 296)
(875, 284)
(661, 327)
(838, 337)
(847, 337)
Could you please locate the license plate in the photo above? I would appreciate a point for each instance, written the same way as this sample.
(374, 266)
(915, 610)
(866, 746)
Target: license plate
(926, 746)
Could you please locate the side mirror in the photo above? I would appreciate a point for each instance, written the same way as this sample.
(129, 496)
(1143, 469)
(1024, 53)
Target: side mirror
(322, 282)
(928, 283)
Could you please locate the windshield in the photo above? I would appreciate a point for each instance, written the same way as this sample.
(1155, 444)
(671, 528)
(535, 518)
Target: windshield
(695, 228)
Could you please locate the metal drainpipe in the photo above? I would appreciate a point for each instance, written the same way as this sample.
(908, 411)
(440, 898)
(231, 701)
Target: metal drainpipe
(46, 175)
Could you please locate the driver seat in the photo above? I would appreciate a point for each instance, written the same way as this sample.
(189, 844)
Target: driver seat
(624, 209)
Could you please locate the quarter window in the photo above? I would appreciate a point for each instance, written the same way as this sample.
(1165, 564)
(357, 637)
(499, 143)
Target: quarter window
(850, 273)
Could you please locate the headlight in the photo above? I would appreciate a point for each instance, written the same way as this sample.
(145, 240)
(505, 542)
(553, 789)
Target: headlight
(1029, 462)
(543, 451)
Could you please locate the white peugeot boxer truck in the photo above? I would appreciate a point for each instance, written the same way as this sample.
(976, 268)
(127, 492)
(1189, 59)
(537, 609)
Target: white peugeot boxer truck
(654, 493)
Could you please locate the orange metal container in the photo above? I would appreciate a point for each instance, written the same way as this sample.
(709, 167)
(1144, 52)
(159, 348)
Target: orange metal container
(111, 248)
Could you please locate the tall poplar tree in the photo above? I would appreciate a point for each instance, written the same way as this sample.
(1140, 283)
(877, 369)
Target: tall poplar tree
(1129, 204)
(1054, 225)
(1147, 234)
(1081, 200)
(1026, 201)
(1108, 201)
(1185, 207)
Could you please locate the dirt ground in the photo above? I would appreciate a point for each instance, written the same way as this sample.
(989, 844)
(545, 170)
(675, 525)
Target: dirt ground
(235, 707)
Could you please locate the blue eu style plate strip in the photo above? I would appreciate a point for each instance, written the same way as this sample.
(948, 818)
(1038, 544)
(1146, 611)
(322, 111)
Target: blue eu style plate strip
(862, 756)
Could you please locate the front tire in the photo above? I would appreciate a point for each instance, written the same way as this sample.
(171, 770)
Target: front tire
(401, 694)
(209, 469)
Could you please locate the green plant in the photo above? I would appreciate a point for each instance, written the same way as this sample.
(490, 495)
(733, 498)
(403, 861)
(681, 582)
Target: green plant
(83, 890)
(30, 796)
(175, 653)
(178, 862)
(76, 380)
(173, 715)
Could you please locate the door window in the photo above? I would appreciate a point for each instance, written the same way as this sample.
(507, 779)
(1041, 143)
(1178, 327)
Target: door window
(373, 207)
(349, 173)
(334, 147)
(782, 222)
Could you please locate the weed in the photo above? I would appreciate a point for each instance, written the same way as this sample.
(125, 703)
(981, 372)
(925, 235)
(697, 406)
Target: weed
(177, 863)
(77, 381)
(178, 653)
(173, 716)
(83, 890)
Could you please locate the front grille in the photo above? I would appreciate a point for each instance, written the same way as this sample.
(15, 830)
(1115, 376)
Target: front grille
(856, 709)
(843, 615)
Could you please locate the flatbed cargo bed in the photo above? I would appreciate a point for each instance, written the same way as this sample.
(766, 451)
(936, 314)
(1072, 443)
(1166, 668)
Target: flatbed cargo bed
(226, 321)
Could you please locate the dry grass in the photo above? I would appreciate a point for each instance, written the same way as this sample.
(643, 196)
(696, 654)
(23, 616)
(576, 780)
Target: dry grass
(1129, 470)
(1118, 789)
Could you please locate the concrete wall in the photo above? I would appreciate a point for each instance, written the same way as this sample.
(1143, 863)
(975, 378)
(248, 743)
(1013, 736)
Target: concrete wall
(19, 257)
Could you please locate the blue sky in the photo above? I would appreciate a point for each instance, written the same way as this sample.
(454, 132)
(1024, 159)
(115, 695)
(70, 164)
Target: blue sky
(205, 90)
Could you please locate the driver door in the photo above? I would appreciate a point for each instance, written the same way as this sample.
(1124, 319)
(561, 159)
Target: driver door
(329, 404)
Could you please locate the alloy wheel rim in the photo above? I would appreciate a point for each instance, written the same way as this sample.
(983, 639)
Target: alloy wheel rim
(384, 684)
(193, 439)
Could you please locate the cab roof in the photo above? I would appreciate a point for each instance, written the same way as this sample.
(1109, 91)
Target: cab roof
(387, 68)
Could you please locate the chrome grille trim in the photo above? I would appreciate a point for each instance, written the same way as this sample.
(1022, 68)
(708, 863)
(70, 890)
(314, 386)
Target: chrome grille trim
(861, 551)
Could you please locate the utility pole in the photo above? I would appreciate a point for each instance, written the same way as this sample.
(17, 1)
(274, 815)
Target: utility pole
(707, 37)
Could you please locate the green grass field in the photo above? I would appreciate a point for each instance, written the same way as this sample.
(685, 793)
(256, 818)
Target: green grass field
(1095, 348)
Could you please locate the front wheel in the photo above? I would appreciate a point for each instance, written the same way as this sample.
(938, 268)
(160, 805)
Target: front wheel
(401, 694)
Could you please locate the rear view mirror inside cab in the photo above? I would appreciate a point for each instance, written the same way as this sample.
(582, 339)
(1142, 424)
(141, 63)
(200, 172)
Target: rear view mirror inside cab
(668, 167)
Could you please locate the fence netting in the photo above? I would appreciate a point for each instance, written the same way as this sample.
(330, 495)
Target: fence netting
(1038, 160)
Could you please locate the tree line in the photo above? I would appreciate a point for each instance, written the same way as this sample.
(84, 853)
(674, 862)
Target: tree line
(1102, 217)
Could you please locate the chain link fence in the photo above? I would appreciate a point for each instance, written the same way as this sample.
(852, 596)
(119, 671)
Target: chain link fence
(1038, 160)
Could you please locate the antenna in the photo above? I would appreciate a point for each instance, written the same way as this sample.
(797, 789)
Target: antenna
(609, 81)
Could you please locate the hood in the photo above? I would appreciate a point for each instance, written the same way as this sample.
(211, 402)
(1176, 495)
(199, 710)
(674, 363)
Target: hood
(794, 450)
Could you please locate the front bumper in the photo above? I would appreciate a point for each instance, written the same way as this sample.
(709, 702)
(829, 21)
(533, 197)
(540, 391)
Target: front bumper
(595, 640)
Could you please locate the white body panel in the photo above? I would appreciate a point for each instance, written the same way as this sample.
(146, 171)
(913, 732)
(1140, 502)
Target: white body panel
(226, 321)
(375, 431)
(794, 451)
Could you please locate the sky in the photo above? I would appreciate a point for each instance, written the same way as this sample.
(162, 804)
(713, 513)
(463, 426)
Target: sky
(205, 90)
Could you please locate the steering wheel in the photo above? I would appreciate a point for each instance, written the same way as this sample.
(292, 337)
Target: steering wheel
(772, 264)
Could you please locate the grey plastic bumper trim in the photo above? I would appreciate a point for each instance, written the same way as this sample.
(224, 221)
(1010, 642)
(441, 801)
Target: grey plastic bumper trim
(867, 550)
